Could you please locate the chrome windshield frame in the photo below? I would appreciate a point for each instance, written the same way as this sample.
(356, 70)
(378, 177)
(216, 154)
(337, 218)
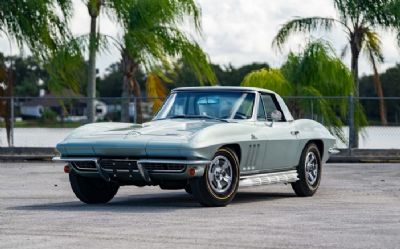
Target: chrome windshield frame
(254, 111)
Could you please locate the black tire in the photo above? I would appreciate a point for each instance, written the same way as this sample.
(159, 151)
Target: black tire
(203, 190)
(304, 187)
(188, 189)
(92, 190)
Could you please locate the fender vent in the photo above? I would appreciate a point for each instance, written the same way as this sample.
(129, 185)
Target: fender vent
(252, 154)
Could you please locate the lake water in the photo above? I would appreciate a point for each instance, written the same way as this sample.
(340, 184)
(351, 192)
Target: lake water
(371, 138)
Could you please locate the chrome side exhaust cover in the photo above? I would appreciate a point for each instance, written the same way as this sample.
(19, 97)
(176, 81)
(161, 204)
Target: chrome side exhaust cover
(270, 178)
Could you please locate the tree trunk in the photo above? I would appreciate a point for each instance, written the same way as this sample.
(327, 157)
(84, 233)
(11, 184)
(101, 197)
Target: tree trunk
(94, 10)
(355, 44)
(138, 102)
(126, 94)
(6, 90)
(9, 120)
(129, 69)
(379, 92)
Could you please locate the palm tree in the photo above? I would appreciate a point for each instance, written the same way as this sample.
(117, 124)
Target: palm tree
(357, 18)
(41, 25)
(154, 40)
(374, 53)
(94, 8)
(317, 73)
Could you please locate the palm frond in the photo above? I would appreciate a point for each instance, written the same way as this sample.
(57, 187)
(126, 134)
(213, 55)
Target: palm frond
(269, 78)
(40, 24)
(344, 51)
(163, 45)
(301, 25)
(64, 67)
(373, 46)
(151, 12)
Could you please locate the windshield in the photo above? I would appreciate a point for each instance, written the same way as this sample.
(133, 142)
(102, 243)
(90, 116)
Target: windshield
(210, 105)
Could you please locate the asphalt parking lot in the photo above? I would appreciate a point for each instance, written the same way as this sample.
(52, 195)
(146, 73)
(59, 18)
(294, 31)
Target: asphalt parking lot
(358, 206)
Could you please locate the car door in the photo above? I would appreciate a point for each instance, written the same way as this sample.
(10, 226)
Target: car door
(281, 138)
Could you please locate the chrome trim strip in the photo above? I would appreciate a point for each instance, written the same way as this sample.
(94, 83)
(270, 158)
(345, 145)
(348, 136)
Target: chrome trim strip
(160, 161)
(120, 170)
(187, 162)
(74, 159)
(100, 170)
(333, 151)
(270, 178)
(84, 169)
(143, 172)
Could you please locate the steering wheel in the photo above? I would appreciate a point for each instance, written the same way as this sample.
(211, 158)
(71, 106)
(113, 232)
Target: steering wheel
(240, 115)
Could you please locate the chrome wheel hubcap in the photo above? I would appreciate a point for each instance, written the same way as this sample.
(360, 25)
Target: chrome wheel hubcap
(311, 168)
(220, 174)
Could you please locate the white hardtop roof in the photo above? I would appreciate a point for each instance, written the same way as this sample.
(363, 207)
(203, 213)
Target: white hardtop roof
(224, 88)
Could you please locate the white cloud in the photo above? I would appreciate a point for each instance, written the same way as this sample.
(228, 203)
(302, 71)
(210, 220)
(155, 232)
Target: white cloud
(241, 31)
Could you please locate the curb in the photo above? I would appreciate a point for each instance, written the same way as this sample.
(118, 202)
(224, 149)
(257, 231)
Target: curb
(366, 156)
(27, 153)
(344, 156)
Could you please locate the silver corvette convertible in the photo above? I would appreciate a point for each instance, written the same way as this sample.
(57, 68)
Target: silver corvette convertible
(207, 140)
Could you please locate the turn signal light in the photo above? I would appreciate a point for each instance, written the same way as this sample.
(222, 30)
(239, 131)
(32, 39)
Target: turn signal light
(67, 169)
(192, 172)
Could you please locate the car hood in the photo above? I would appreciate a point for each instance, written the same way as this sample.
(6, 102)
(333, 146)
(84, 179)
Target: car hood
(177, 127)
(156, 138)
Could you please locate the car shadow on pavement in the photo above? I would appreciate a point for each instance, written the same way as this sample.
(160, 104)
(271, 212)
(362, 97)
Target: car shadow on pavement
(158, 203)
(247, 197)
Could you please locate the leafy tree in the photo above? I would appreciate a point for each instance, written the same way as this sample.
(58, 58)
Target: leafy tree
(27, 73)
(110, 84)
(153, 40)
(40, 25)
(316, 72)
(391, 88)
(66, 68)
(359, 20)
(182, 75)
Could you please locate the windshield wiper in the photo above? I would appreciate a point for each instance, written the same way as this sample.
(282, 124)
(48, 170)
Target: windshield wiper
(200, 117)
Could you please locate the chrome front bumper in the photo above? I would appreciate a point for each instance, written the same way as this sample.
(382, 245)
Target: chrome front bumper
(145, 168)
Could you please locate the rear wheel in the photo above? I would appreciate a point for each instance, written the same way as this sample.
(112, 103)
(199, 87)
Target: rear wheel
(92, 190)
(309, 170)
(220, 182)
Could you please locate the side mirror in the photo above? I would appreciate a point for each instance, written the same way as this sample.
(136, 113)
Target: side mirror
(276, 116)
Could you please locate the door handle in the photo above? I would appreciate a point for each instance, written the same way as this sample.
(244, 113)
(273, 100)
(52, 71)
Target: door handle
(295, 133)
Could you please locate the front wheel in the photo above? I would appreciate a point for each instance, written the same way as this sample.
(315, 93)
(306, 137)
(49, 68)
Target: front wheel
(309, 171)
(92, 190)
(220, 182)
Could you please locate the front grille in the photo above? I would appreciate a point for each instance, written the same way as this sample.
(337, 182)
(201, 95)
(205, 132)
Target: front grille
(118, 165)
(85, 165)
(164, 167)
(127, 165)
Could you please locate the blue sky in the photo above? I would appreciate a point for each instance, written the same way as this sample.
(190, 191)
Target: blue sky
(241, 31)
